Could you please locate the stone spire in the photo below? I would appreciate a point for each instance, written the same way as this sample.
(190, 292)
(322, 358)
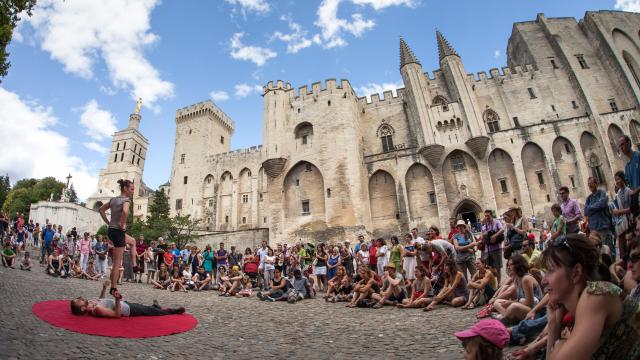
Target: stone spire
(444, 48)
(406, 55)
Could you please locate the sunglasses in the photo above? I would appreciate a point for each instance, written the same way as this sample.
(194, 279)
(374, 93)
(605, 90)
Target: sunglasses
(562, 242)
(634, 258)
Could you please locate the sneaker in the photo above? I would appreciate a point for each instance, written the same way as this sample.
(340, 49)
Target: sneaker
(260, 296)
(269, 298)
(180, 310)
(377, 305)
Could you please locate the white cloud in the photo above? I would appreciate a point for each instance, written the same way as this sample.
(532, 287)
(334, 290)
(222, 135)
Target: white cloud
(98, 123)
(374, 88)
(259, 6)
(332, 27)
(79, 33)
(219, 96)
(381, 4)
(628, 5)
(107, 90)
(244, 90)
(296, 40)
(257, 55)
(96, 147)
(38, 151)
(496, 54)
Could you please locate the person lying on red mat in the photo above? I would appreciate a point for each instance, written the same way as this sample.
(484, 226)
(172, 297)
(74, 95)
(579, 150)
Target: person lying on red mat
(116, 308)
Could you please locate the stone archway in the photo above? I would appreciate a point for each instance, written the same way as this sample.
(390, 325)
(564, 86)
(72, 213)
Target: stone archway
(467, 209)
(304, 202)
(384, 202)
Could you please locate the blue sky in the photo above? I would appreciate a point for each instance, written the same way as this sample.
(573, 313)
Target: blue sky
(78, 66)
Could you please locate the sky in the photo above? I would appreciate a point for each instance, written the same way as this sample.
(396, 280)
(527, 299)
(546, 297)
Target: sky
(78, 66)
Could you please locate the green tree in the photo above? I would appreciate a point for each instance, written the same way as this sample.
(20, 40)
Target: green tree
(5, 187)
(28, 191)
(9, 11)
(158, 220)
(182, 227)
(72, 196)
(103, 230)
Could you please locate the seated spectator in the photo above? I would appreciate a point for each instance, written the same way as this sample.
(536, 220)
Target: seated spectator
(177, 279)
(393, 290)
(201, 280)
(230, 284)
(54, 267)
(246, 289)
(482, 286)
(278, 286)
(528, 292)
(91, 273)
(454, 292)
(163, 278)
(340, 286)
(362, 257)
(299, 289)
(419, 289)
(8, 256)
(484, 340)
(603, 249)
(606, 325)
(365, 287)
(25, 263)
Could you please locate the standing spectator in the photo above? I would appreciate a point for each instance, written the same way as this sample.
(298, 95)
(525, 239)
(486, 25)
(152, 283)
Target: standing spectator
(127, 275)
(4, 225)
(559, 226)
(176, 254)
(222, 257)
(515, 230)
(465, 243)
(140, 248)
(333, 262)
(409, 261)
(30, 226)
(631, 172)
(452, 229)
(570, 211)
(47, 237)
(383, 255)
(492, 239)
(63, 238)
(74, 232)
(356, 248)
(373, 256)
(150, 261)
(533, 221)
(321, 267)
(262, 255)
(417, 239)
(36, 235)
(21, 236)
(207, 258)
(72, 247)
(395, 253)
(596, 208)
(622, 219)
(161, 249)
(101, 249)
(85, 250)
(235, 258)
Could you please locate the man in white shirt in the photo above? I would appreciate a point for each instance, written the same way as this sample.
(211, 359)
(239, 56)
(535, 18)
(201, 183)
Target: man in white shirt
(382, 254)
(417, 240)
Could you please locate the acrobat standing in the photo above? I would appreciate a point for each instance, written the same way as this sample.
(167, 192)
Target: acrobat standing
(119, 206)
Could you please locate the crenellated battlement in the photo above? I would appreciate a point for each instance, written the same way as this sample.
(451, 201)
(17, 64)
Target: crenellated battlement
(204, 108)
(387, 98)
(235, 154)
(331, 86)
(504, 73)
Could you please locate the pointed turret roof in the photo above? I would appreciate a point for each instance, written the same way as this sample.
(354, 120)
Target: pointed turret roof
(444, 48)
(406, 55)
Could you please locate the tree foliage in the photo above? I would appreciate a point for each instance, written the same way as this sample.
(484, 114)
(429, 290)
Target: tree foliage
(103, 230)
(158, 221)
(182, 229)
(72, 196)
(28, 191)
(9, 11)
(5, 187)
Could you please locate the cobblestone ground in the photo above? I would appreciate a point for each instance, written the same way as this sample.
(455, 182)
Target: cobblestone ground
(229, 328)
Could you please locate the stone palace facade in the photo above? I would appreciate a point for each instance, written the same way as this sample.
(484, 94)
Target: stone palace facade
(449, 143)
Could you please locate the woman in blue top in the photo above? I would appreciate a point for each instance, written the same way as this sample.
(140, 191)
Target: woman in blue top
(208, 260)
(333, 263)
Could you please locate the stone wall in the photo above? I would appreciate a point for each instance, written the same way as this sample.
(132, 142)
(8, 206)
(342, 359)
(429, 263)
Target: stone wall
(68, 215)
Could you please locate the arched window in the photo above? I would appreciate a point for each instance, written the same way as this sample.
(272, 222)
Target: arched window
(634, 129)
(440, 100)
(630, 64)
(457, 162)
(304, 131)
(493, 121)
(385, 132)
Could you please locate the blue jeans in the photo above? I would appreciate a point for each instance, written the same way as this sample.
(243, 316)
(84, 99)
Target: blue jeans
(528, 329)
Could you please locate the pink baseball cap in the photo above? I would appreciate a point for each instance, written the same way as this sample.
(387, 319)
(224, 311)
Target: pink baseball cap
(491, 330)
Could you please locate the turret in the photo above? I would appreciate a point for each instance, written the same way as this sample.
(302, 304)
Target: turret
(418, 105)
(460, 89)
(276, 111)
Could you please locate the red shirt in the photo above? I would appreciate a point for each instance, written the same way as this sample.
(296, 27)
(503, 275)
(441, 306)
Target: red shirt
(140, 248)
(451, 233)
(373, 259)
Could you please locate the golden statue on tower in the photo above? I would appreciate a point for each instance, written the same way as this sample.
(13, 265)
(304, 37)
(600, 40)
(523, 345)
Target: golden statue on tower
(138, 106)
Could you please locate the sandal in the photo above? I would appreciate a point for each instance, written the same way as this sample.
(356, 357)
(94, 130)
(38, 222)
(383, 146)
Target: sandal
(485, 311)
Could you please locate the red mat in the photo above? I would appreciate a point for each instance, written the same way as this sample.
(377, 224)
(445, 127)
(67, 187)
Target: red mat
(58, 314)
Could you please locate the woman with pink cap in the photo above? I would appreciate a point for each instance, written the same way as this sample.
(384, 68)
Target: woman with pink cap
(484, 340)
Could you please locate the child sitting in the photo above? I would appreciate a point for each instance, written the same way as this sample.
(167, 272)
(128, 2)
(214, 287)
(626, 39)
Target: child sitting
(484, 340)
(25, 263)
